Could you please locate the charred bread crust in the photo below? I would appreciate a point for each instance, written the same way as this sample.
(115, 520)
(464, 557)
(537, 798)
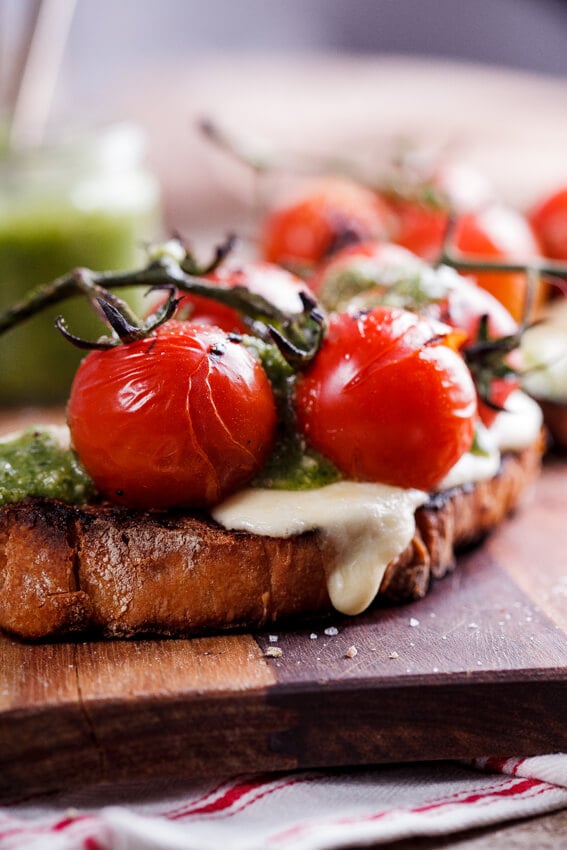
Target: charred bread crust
(119, 573)
(454, 519)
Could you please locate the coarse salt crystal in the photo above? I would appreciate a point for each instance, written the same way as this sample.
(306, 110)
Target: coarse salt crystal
(351, 652)
(313, 636)
(273, 638)
(331, 631)
(414, 622)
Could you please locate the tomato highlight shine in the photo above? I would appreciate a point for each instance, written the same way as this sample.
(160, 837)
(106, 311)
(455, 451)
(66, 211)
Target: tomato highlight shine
(386, 400)
(179, 419)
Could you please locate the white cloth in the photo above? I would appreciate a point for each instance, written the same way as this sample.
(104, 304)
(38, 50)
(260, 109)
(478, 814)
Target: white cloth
(307, 810)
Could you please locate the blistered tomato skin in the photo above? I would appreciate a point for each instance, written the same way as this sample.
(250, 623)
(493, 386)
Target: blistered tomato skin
(180, 419)
(309, 228)
(386, 401)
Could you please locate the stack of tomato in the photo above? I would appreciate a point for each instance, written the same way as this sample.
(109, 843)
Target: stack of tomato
(187, 415)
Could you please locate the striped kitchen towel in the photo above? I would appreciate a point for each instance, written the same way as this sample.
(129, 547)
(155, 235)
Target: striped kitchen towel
(307, 810)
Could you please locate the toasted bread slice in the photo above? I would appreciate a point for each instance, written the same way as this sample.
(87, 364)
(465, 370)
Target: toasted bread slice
(119, 573)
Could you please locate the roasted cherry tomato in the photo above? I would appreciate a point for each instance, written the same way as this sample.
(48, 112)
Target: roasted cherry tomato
(179, 419)
(549, 220)
(419, 227)
(372, 273)
(421, 207)
(361, 268)
(330, 214)
(476, 311)
(386, 400)
(483, 230)
(466, 304)
(277, 285)
(383, 267)
(500, 233)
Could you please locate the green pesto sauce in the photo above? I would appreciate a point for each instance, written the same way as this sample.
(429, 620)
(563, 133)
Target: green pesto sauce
(292, 465)
(394, 287)
(34, 464)
(279, 372)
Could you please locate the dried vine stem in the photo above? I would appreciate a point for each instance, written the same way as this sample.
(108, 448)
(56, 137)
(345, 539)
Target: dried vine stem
(301, 332)
(536, 266)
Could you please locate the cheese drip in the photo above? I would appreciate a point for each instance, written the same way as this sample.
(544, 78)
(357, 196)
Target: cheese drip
(363, 527)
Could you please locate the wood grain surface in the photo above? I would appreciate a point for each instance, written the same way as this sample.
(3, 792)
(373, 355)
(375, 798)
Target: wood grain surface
(478, 667)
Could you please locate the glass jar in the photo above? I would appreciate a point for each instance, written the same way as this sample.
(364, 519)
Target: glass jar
(86, 202)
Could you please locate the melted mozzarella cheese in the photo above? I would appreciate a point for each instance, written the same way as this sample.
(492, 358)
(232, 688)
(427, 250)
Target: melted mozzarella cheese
(544, 348)
(519, 425)
(513, 430)
(471, 468)
(363, 527)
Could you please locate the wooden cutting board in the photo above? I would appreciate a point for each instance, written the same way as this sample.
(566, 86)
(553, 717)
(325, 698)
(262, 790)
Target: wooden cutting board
(478, 667)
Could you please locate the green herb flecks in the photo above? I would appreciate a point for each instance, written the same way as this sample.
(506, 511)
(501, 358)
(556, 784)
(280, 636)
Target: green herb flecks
(35, 464)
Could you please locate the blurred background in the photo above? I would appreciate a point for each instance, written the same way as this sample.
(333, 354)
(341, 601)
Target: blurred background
(305, 72)
(111, 41)
(330, 79)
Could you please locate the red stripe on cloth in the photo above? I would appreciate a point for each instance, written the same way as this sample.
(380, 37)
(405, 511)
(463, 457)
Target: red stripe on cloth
(516, 789)
(233, 802)
(257, 780)
(65, 822)
(178, 810)
(228, 799)
(17, 827)
(493, 764)
(91, 843)
(488, 794)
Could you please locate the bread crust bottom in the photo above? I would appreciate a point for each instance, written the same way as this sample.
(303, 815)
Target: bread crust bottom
(119, 573)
